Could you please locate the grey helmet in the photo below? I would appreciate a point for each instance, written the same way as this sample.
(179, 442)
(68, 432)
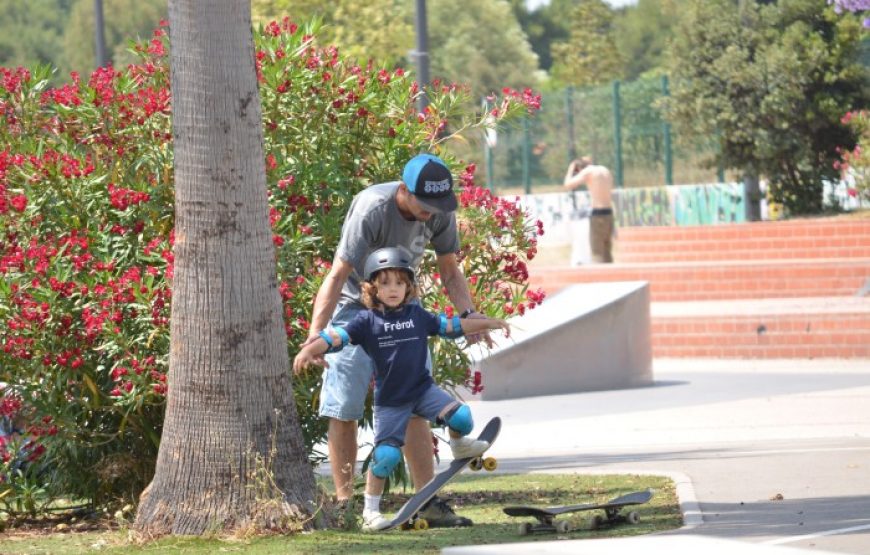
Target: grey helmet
(385, 258)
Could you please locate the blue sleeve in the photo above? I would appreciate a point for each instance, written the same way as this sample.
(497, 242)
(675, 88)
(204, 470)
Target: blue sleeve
(359, 325)
(430, 321)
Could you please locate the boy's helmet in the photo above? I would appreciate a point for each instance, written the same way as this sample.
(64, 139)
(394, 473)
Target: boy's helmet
(387, 258)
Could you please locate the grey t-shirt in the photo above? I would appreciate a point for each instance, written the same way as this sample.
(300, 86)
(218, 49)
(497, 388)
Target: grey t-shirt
(374, 222)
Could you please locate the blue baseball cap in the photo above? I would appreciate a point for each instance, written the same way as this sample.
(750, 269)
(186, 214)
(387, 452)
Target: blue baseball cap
(429, 179)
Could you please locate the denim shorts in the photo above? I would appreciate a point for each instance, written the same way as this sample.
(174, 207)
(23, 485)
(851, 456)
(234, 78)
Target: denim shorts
(391, 422)
(347, 380)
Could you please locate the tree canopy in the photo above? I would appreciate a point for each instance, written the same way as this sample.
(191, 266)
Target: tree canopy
(484, 47)
(30, 32)
(641, 35)
(380, 30)
(125, 21)
(589, 56)
(771, 84)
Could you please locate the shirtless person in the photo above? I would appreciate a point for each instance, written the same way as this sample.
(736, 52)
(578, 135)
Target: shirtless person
(599, 181)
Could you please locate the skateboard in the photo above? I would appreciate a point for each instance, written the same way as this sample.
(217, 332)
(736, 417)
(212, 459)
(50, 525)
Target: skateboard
(612, 513)
(407, 517)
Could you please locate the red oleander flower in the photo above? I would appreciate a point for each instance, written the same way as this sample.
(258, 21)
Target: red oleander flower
(18, 202)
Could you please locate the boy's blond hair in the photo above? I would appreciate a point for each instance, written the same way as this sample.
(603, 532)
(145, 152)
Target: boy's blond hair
(370, 289)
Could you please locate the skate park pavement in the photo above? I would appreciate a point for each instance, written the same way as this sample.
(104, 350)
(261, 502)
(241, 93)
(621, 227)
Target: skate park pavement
(769, 456)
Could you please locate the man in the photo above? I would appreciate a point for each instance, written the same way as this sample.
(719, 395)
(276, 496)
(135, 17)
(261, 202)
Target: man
(408, 215)
(599, 181)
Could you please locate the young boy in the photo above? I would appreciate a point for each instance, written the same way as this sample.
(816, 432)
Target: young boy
(394, 332)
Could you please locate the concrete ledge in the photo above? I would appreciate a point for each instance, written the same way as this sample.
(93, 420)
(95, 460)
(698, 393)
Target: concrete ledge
(588, 337)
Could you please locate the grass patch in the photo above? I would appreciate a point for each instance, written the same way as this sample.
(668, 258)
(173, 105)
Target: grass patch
(476, 495)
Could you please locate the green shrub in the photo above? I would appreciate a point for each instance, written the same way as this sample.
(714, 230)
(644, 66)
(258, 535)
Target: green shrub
(86, 212)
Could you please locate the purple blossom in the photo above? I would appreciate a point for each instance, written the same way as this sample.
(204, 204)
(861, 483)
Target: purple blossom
(853, 6)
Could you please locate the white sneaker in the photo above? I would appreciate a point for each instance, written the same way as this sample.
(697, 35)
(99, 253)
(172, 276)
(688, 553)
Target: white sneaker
(466, 447)
(374, 520)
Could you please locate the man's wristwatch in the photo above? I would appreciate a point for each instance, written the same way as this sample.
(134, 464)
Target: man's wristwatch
(467, 313)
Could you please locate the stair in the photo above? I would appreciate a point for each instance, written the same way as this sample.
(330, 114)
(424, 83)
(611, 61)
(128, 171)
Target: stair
(823, 238)
(779, 328)
(792, 289)
(702, 281)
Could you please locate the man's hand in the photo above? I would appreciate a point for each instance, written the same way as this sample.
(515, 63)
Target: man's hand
(475, 338)
(307, 357)
(503, 326)
(313, 335)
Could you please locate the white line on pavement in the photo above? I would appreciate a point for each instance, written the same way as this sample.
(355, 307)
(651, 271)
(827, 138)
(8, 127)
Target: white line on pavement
(793, 539)
(796, 450)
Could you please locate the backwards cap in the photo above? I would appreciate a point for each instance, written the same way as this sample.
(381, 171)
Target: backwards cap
(430, 180)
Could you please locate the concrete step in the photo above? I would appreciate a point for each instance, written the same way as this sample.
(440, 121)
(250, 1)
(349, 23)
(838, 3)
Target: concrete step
(789, 229)
(703, 281)
(822, 238)
(750, 250)
(836, 327)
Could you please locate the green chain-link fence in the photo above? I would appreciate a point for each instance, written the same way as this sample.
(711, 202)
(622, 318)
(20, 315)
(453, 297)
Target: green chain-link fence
(619, 125)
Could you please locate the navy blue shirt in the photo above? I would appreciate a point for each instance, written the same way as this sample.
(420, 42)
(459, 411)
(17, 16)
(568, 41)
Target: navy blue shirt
(397, 342)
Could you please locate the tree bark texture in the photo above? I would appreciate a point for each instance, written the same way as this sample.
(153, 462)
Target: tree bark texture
(232, 453)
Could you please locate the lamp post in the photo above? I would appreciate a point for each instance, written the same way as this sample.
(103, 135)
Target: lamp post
(99, 34)
(421, 54)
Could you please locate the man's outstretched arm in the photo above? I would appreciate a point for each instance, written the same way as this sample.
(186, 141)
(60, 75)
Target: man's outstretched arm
(327, 297)
(457, 290)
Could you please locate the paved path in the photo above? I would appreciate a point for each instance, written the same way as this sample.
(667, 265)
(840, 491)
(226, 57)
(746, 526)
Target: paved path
(739, 434)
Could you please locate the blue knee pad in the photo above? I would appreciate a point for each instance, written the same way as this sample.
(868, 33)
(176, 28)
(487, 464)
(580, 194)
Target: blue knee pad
(461, 420)
(385, 459)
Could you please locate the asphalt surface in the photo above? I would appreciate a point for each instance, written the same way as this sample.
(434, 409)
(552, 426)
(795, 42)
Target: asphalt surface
(769, 453)
(769, 456)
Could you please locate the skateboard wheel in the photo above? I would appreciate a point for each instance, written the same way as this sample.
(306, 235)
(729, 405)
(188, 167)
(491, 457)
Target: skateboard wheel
(490, 463)
(563, 527)
(525, 529)
(421, 524)
(597, 521)
(475, 464)
(633, 517)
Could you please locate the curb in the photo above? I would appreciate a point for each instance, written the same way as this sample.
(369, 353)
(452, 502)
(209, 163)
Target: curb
(689, 506)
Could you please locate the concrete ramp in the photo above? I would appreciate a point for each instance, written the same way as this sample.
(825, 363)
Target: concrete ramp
(587, 337)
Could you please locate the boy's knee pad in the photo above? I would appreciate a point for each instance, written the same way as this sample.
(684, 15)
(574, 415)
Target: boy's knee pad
(385, 459)
(460, 420)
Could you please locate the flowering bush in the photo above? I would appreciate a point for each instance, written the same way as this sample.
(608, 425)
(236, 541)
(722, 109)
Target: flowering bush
(86, 212)
(22, 467)
(856, 162)
(854, 6)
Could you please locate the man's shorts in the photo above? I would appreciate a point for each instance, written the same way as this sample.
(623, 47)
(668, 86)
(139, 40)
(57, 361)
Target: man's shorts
(347, 380)
(391, 422)
(601, 235)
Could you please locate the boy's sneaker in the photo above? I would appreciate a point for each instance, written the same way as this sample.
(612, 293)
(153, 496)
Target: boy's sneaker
(438, 514)
(465, 447)
(374, 520)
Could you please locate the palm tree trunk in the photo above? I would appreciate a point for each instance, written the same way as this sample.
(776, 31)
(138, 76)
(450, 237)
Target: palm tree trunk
(232, 453)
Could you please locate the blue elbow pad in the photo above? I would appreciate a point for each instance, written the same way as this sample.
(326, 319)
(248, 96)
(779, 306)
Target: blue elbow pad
(384, 459)
(455, 323)
(342, 335)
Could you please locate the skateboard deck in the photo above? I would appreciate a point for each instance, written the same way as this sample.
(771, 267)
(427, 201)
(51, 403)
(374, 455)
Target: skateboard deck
(406, 517)
(612, 513)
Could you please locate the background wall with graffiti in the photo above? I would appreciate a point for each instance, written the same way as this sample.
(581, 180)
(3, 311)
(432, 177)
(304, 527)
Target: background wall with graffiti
(713, 203)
